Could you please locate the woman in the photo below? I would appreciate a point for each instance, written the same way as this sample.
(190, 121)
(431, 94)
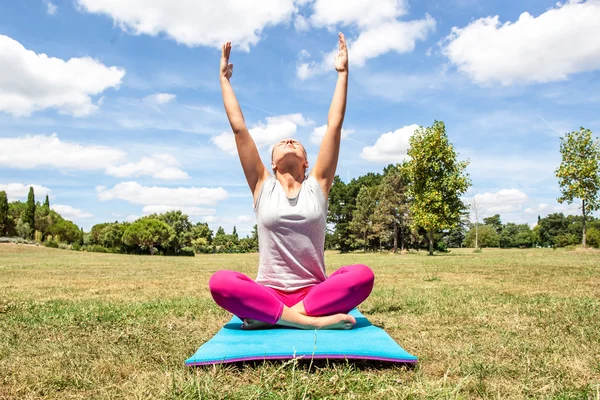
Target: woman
(291, 288)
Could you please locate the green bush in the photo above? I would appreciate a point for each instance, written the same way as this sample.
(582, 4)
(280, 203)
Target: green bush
(206, 249)
(593, 237)
(187, 252)
(566, 239)
(51, 243)
(441, 246)
(95, 248)
(75, 247)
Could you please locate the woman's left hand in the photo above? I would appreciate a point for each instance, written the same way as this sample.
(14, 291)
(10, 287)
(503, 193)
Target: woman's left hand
(341, 59)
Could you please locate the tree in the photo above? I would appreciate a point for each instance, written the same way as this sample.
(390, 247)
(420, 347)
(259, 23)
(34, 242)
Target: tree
(96, 233)
(436, 180)
(476, 208)
(30, 212)
(16, 211)
(340, 213)
(456, 236)
(362, 217)
(3, 213)
(392, 206)
(44, 218)
(23, 229)
(111, 236)
(47, 202)
(594, 237)
(234, 236)
(550, 227)
(67, 231)
(182, 227)
(579, 172)
(513, 235)
(201, 230)
(487, 237)
(221, 238)
(495, 222)
(148, 232)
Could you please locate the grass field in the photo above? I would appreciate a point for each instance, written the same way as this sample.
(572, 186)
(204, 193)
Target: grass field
(499, 324)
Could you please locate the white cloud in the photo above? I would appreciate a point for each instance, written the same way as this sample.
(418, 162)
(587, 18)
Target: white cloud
(245, 218)
(131, 217)
(19, 191)
(135, 193)
(395, 36)
(390, 147)
(51, 8)
(545, 209)
(69, 212)
(379, 31)
(541, 208)
(32, 82)
(327, 13)
(159, 166)
(189, 210)
(196, 23)
(316, 136)
(264, 134)
(301, 24)
(159, 98)
(503, 201)
(30, 152)
(550, 47)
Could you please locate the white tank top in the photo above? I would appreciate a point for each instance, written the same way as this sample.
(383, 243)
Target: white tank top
(291, 235)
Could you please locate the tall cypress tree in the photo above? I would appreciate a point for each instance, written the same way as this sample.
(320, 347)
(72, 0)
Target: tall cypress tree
(3, 213)
(47, 202)
(30, 211)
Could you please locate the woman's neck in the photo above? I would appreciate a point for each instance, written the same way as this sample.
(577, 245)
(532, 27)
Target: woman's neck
(291, 182)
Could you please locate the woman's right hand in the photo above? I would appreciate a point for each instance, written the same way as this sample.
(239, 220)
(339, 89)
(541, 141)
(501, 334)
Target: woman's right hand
(226, 68)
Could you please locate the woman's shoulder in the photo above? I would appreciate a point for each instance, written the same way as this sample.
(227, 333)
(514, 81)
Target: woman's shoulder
(266, 187)
(313, 184)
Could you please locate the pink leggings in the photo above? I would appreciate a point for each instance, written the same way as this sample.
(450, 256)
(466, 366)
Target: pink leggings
(341, 292)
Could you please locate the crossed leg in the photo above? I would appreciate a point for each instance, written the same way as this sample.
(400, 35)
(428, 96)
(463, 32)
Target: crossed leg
(324, 307)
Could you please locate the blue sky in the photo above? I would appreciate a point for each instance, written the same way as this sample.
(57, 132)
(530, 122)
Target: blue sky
(114, 108)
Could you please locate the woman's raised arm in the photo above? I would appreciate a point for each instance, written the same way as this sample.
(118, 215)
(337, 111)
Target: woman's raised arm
(326, 164)
(254, 170)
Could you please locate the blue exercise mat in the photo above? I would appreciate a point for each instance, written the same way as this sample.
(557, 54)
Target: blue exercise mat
(363, 341)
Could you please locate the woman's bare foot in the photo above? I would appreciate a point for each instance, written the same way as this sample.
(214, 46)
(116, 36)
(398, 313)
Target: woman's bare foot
(336, 321)
(253, 324)
(291, 317)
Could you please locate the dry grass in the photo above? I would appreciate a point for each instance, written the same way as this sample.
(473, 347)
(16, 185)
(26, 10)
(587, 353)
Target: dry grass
(496, 324)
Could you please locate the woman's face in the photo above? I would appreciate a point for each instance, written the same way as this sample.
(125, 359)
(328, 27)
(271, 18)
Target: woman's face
(286, 148)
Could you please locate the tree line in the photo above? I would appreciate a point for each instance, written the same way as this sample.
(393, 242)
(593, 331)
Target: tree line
(416, 204)
(170, 233)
